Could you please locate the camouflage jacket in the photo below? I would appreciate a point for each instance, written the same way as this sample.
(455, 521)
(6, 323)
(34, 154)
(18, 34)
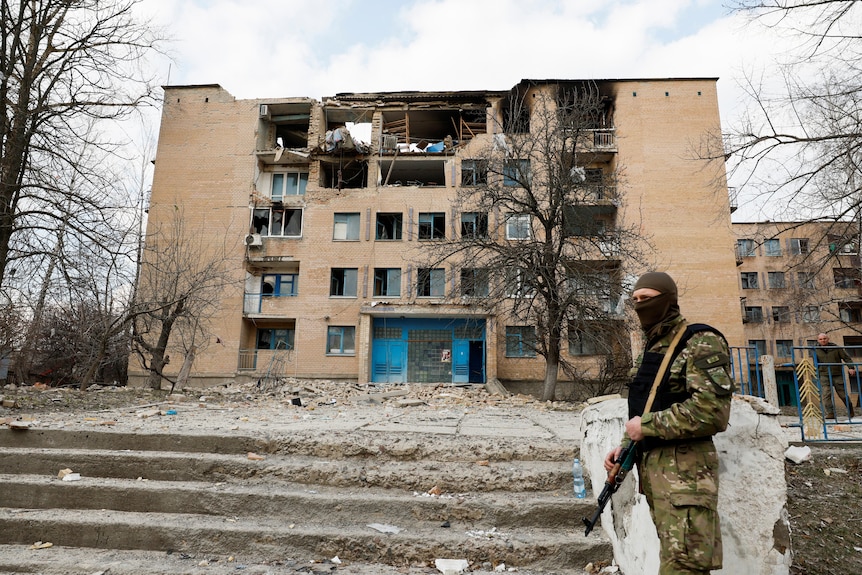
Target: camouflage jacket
(702, 369)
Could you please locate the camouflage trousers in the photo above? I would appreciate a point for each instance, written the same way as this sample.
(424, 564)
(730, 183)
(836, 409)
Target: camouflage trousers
(681, 486)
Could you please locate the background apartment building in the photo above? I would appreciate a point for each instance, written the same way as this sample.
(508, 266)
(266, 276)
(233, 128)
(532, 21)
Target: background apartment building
(326, 208)
(797, 280)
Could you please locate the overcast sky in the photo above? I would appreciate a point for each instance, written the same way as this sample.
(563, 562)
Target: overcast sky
(317, 48)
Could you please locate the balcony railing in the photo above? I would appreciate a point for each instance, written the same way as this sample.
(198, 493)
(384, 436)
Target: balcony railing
(265, 303)
(604, 138)
(263, 361)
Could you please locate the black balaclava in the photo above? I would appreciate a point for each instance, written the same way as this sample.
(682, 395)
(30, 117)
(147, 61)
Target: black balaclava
(657, 309)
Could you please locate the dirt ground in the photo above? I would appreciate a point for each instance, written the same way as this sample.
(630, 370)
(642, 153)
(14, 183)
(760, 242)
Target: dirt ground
(824, 493)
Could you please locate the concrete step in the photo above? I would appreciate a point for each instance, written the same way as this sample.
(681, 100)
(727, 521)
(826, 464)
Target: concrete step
(313, 495)
(298, 502)
(419, 475)
(273, 537)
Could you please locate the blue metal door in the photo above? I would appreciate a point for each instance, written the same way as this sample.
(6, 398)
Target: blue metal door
(461, 361)
(388, 360)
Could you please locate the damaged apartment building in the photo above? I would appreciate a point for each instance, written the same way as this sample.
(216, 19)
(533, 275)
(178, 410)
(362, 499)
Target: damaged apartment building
(331, 210)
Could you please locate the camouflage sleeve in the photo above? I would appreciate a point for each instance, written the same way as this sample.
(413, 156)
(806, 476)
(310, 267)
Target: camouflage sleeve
(705, 363)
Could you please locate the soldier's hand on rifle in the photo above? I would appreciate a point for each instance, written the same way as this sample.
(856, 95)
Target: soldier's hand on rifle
(633, 428)
(612, 457)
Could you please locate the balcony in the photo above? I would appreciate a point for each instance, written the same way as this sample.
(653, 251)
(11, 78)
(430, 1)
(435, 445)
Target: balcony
(268, 305)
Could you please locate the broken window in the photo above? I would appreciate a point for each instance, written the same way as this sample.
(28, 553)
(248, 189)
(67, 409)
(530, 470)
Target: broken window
(846, 277)
(588, 340)
(342, 282)
(387, 282)
(405, 171)
(583, 220)
(432, 226)
(285, 124)
(350, 174)
(274, 221)
(520, 341)
(432, 130)
(431, 282)
(388, 226)
(474, 225)
(516, 114)
(474, 282)
(275, 338)
(474, 172)
(280, 285)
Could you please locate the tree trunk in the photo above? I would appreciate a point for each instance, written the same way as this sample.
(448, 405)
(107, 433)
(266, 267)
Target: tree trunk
(183, 376)
(552, 367)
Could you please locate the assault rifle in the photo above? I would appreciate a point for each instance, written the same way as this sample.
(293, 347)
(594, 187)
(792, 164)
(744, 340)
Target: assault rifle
(616, 476)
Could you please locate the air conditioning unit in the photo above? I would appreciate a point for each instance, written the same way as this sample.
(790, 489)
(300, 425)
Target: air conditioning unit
(253, 240)
(264, 111)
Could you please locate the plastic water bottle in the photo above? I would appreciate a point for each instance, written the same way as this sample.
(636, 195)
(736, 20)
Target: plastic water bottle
(578, 476)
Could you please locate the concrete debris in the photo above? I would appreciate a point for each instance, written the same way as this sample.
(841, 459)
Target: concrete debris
(68, 475)
(451, 566)
(798, 454)
(385, 528)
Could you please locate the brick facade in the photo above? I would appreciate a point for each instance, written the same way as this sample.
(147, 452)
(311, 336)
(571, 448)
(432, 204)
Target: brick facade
(217, 157)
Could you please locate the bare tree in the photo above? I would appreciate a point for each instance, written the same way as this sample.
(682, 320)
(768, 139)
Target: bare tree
(800, 144)
(181, 281)
(64, 68)
(541, 241)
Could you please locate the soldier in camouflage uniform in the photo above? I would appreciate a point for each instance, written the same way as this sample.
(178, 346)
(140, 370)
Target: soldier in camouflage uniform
(677, 462)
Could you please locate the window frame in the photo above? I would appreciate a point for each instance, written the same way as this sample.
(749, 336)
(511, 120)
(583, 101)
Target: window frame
(277, 291)
(773, 284)
(772, 247)
(516, 282)
(810, 314)
(512, 169)
(397, 226)
(519, 223)
(298, 188)
(478, 221)
(343, 282)
(432, 226)
(343, 333)
(806, 280)
(257, 228)
(382, 279)
(522, 339)
(350, 224)
(434, 279)
(786, 344)
(753, 314)
(474, 172)
(475, 278)
(749, 280)
(781, 314)
(290, 338)
(800, 246)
